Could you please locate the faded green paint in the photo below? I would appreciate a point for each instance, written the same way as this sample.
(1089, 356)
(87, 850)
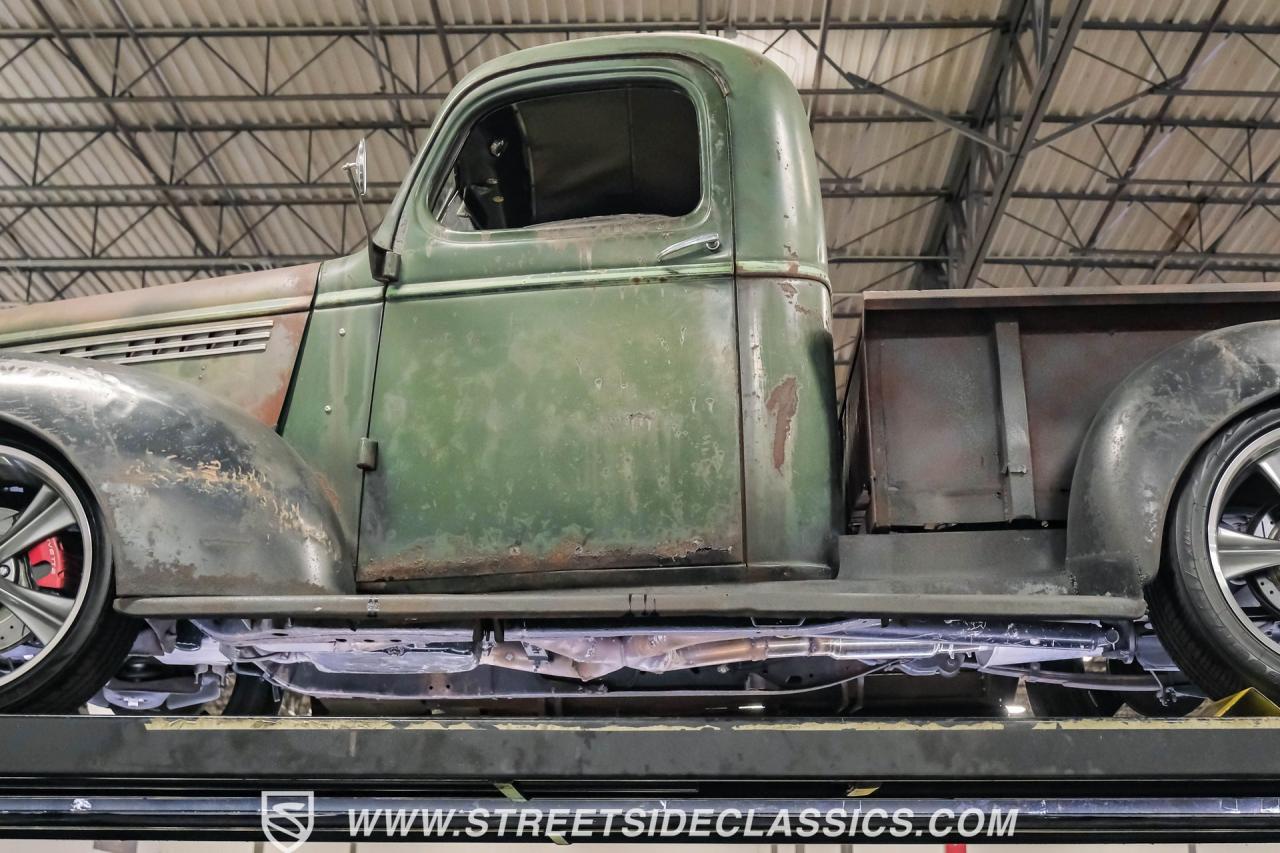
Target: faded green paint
(791, 447)
(552, 397)
(585, 427)
(347, 281)
(329, 408)
(779, 206)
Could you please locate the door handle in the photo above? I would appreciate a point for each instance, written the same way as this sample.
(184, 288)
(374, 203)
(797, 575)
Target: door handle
(710, 242)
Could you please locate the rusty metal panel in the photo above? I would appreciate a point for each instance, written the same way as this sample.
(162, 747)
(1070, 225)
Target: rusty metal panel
(587, 427)
(933, 398)
(933, 426)
(1015, 435)
(211, 334)
(790, 442)
(1069, 375)
(223, 373)
(199, 497)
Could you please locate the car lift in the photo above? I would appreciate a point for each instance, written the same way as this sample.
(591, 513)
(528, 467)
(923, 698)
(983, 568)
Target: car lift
(201, 777)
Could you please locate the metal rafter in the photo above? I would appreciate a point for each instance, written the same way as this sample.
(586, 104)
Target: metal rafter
(354, 125)
(1114, 258)
(970, 237)
(155, 72)
(1207, 30)
(588, 27)
(384, 70)
(129, 140)
(984, 106)
(249, 200)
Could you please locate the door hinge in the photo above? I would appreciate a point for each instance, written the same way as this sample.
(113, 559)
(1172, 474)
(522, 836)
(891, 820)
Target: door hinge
(367, 456)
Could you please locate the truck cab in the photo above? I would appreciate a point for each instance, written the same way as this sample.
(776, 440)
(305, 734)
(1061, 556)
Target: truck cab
(606, 346)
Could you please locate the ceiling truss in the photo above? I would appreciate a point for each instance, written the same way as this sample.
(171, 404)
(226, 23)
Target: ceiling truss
(124, 96)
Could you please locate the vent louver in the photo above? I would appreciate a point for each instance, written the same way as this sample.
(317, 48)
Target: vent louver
(164, 344)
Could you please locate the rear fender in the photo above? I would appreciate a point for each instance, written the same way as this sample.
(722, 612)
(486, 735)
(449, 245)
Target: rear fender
(1143, 438)
(199, 497)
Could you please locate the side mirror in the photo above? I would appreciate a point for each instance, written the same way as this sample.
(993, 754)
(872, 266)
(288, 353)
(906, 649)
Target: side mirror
(358, 173)
(383, 265)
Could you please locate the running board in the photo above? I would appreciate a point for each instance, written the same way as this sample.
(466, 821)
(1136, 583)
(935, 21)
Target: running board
(777, 599)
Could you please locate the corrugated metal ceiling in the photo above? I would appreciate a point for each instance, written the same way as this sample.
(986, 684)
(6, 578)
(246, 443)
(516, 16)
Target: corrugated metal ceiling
(275, 112)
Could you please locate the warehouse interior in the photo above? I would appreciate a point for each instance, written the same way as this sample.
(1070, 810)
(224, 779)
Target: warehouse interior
(960, 144)
(967, 145)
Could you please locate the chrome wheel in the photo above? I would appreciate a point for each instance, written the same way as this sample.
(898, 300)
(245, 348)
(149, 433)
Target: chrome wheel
(46, 560)
(1244, 536)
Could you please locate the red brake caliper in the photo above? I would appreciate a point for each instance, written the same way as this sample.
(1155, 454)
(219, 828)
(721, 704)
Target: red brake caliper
(48, 561)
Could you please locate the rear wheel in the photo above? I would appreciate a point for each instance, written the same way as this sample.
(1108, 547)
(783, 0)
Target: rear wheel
(60, 639)
(1216, 603)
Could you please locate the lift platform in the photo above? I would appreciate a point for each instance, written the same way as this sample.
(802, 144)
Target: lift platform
(139, 777)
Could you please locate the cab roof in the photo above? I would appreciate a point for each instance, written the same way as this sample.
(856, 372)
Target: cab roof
(778, 226)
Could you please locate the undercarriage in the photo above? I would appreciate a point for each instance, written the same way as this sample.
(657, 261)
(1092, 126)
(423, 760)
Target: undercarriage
(729, 666)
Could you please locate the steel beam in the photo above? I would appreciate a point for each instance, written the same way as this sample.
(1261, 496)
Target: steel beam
(221, 263)
(600, 27)
(127, 139)
(984, 107)
(981, 228)
(1206, 31)
(335, 194)
(356, 125)
(206, 160)
(1101, 259)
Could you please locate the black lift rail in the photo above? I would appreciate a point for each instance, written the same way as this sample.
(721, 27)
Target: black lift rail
(202, 777)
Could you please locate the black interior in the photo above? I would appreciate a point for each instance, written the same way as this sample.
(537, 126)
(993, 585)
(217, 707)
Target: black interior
(576, 155)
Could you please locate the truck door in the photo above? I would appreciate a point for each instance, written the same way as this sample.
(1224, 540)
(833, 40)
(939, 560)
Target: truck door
(557, 382)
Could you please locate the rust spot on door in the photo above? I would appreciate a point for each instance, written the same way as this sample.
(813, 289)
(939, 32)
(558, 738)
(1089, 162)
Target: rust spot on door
(781, 404)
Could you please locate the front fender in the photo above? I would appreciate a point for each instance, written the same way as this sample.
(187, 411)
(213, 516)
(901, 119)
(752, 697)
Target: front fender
(200, 499)
(1141, 441)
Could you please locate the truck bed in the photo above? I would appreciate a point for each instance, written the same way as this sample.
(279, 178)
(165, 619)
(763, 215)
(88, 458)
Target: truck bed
(969, 407)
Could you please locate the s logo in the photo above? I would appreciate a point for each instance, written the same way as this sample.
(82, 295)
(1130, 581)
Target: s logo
(287, 818)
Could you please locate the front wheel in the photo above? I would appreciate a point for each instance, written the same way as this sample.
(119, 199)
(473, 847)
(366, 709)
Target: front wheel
(1216, 603)
(60, 639)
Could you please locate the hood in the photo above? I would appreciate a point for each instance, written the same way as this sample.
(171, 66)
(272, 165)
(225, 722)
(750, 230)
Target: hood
(252, 294)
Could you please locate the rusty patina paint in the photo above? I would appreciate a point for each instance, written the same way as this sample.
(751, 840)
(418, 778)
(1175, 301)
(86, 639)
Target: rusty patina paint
(224, 375)
(284, 295)
(931, 382)
(590, 427)
(781, 405)
(790, 444)
(550, 397)
(251, 294)
(198, 496)
(329, 409)
(420, 562)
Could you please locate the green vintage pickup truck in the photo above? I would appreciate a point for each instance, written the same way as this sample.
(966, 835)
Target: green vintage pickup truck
(564, 437)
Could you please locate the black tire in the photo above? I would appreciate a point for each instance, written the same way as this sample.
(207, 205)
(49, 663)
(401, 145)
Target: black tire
(99, 639)
(1051, 700)
(1193, 617)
